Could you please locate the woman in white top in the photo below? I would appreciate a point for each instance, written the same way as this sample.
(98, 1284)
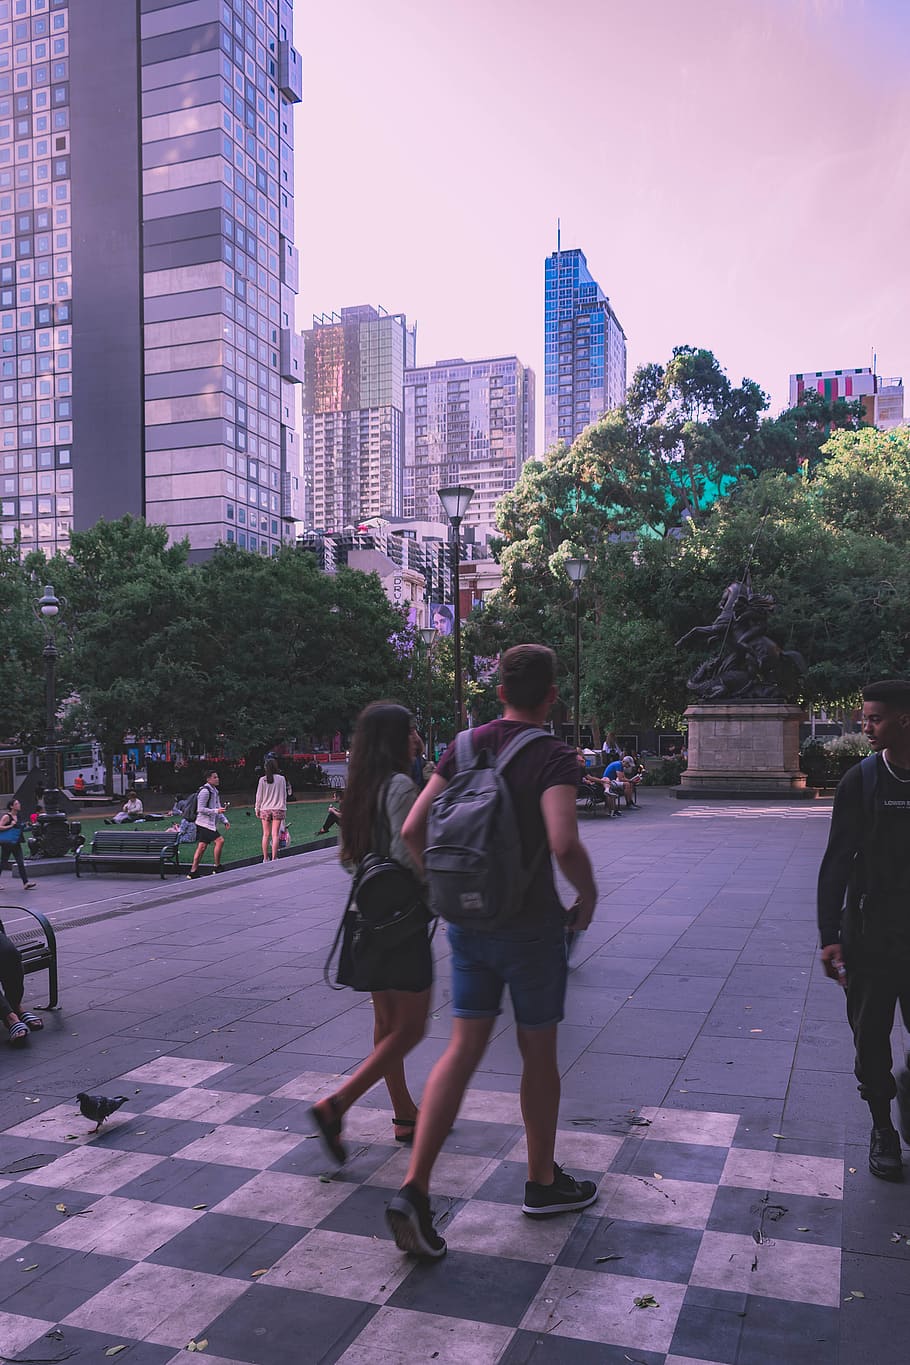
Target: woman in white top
(271, 807)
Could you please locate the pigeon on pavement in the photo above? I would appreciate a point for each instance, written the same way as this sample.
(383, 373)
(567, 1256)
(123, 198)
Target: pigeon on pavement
(99, 1107)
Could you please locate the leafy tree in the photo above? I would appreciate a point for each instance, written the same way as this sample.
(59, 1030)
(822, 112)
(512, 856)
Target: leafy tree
(795, 441)
(21, 666)
(290, 651)
(131, 615)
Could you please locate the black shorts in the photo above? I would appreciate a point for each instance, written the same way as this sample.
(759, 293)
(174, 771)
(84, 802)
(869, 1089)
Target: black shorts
(206, 836)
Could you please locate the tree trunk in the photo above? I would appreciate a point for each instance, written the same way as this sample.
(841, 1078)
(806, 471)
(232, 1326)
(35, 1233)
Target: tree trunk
(108, 770)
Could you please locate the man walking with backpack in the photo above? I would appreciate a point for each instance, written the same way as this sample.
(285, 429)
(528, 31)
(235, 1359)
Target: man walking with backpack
(209, 811)
(484, 827)
(863, 905)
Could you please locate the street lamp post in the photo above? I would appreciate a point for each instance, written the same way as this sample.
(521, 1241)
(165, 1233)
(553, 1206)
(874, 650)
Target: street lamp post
(577, 569)
(48, 607)
(428, 635)
(455, 502)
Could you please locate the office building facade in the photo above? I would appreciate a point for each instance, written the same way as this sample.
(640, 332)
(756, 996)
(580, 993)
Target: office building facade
(466, 422)
(584, 349)
(882, 398)
(148, 355)
(354, 363)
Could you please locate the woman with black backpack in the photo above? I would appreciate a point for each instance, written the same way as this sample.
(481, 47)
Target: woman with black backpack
(377, 800)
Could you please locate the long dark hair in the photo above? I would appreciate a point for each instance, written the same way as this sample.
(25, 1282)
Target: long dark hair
(380, 747)
(271, 768)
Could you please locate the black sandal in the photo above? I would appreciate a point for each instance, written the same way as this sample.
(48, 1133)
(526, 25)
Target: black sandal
(330, 1132)
(408, 1138)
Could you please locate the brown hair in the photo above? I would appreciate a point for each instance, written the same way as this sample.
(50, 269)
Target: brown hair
(381, 746)
(527, 672)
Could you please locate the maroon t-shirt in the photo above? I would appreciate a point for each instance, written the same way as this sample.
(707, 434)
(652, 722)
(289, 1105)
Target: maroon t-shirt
(547, 762)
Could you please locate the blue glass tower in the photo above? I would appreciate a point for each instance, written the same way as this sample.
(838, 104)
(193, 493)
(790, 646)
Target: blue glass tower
(584, 348)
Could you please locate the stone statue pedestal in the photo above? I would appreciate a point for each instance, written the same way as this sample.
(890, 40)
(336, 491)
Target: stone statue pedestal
(743, 749)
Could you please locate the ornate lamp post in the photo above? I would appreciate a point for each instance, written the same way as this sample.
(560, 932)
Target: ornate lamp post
(577, 569)
(428, 635)
(455, 502)
(48, 607)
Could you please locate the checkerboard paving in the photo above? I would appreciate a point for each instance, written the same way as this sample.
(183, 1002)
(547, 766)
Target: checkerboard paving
(206, 1213)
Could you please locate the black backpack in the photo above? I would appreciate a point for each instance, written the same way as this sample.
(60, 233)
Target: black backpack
(386, 906)
(473, 858)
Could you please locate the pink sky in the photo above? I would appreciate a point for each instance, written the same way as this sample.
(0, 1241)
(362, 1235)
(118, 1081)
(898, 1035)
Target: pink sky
(738, 174)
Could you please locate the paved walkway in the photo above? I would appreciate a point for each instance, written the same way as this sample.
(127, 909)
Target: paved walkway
(707, 1085)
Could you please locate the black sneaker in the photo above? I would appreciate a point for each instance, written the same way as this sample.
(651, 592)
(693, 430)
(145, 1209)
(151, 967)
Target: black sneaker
(885, 1154)
(903, 1103)
(191, 876)
(563, 1196)
(411, 1220)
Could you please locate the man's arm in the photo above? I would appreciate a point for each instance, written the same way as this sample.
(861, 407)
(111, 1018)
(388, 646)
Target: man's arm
(414, 829)
(557, 806)
(844, 842)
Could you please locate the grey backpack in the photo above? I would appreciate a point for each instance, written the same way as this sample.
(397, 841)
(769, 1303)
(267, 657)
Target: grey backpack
(473, 861)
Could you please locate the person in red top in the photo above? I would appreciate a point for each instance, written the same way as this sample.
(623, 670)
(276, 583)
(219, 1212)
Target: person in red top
(527, 955)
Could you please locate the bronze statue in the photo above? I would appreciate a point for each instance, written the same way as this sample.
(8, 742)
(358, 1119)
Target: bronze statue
(748, 665)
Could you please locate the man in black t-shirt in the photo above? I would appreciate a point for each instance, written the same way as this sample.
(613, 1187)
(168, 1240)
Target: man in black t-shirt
(527, 955)
(864, 912)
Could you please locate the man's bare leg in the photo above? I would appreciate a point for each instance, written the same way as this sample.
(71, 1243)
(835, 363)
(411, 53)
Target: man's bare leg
(540, 1092)
(443, 1094)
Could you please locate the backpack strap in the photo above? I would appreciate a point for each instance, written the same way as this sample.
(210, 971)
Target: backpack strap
(869, 772)
(464, 751)
(515, 746)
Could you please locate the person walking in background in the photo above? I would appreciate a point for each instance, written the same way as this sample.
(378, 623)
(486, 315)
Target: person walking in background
(271, 806)
(209, 813)
(863, 920)
(527, 954)
(19, 1022)
(11, 843)
(377, 800)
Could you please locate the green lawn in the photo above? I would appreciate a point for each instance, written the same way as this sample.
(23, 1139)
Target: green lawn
(244, 838)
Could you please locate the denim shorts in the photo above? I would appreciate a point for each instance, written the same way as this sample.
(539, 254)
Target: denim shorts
(533, 966)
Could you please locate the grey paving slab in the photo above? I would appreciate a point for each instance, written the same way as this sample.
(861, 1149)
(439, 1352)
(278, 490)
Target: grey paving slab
(695, 1000)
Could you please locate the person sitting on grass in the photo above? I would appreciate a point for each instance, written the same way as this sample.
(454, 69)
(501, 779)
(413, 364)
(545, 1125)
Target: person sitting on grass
(332, 818)
(131, 811)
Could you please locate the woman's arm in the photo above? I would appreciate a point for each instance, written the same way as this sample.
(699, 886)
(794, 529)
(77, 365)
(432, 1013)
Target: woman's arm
(400, 797)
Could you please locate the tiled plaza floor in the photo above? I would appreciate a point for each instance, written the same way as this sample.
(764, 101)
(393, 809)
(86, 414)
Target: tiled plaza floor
(706, 1084)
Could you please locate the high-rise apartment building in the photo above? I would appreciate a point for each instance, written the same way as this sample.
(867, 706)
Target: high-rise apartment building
(882, 398)
(148, 355)
(584, 348)
(466, 422)
(352, 415)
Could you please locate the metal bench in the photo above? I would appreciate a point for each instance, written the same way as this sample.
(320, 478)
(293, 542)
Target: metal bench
(37, 945)
(113, 847)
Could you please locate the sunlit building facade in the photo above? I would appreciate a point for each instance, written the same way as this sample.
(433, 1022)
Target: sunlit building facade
(584, 349)
(148, 357)
(354, 363)
(466, 422)
(882, 398)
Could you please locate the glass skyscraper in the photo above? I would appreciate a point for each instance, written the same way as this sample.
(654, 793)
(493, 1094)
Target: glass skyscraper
(466, 422)
(148, 354)
(584, 349)
(352, 415)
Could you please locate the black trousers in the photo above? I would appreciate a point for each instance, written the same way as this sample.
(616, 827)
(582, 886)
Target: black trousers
(12, 978)
(876, 984)
(8, 851)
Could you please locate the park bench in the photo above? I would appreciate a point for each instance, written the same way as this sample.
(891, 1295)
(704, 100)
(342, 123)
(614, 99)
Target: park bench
(111, 847)
(37, 945)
